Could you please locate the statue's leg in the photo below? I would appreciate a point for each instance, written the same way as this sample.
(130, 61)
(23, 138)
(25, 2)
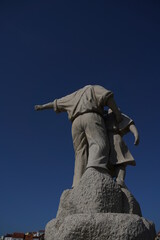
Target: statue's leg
(120, 175)
(81, 150)
(97, 139)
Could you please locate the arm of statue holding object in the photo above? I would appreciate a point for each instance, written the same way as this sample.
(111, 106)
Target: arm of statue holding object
(134, 130)
(44, 106)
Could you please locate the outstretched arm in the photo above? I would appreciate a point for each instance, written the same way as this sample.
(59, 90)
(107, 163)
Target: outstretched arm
(44, 106)
(134, 130)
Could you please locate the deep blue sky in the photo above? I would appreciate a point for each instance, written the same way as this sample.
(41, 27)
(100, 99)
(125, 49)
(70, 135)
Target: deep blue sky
(49, 49)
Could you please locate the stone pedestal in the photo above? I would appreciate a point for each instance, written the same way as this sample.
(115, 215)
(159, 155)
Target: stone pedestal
(98, 209)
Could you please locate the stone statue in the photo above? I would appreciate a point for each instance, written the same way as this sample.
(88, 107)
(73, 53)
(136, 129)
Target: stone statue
(120, 155)
(85, 109)
(98, 207)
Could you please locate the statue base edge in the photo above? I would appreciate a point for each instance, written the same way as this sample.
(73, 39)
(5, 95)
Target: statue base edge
(100, 226)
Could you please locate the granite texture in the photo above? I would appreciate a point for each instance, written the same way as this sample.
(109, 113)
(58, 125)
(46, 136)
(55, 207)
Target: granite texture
(101, 226)
(98, 209)
(130, 204)
(96, 192)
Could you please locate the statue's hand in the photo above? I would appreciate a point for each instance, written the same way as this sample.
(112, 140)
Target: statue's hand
(37, 107)
(136, 141)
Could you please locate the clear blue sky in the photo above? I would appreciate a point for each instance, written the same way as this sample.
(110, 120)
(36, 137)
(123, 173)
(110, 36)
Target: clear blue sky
(49, 49)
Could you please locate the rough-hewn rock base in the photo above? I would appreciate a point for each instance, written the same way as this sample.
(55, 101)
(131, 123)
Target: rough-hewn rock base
(97, 193)
(98, 209)
(101, 226)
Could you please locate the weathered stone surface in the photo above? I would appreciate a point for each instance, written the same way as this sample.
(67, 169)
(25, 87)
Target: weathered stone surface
(130, 204)
(101, 226)
(96, 192)
(98, 209)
